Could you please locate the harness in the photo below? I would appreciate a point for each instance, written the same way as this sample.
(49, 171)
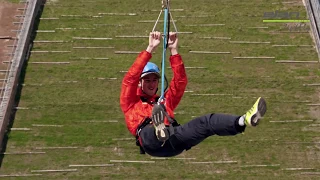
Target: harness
(148, 120)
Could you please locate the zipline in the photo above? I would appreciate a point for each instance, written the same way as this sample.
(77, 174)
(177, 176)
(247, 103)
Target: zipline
(166, 31)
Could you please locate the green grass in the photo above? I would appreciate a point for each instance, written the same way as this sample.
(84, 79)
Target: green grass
(53, 101)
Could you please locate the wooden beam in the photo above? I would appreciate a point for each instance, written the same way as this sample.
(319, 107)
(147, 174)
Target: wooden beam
(131, 161)
(208, 52)
(53, 170)
(291, 61)
(91, 165)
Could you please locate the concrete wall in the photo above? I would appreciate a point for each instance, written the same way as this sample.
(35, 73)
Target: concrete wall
(313, 9)
(18, 59)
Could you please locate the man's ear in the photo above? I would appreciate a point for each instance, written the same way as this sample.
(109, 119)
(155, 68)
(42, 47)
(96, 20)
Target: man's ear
(140, 83)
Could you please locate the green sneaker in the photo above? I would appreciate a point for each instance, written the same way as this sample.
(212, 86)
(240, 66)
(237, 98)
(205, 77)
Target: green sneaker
(253, 116)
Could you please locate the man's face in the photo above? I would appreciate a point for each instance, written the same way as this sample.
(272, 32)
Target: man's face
(149, 84)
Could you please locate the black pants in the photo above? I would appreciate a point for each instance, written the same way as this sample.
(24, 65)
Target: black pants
(189, 134)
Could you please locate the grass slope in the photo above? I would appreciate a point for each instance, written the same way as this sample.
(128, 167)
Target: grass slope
(75, 97)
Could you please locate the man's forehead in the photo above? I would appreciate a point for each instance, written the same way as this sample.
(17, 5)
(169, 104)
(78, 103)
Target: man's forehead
(150, 76)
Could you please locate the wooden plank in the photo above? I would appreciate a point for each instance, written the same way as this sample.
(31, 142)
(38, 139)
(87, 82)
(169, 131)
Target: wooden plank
(258, 27)
(81, 28)
(21, 108)
(172, 10)
(291, 61)
(46, 31)
(101, 78)
(203, 25)
(49, 62)
(19, 175)
(297, 169)
(94, 121)
(126, 36)
(88, 58)
(53, 170)
(123, 139)
(174, 158)
(214, 162)
(46, 125)
(20, 129)
(291, 121)
(108, 25)
(215, 37)
(50, 51)
(248, 42)
(21, 153)
(208, 52)
(91, 165)
(191, 67)
(91, 38)
(315, 84)
(261, 165)
(291, 45)
(310, 173)
(44, 41)
(261, 57)
(130, 161)
(118, 14)
(127, 52)
(93, 47)
(50, 148)
(196, 16)
(50, 18)
(211, 94)
(313, 104)
(150, 21)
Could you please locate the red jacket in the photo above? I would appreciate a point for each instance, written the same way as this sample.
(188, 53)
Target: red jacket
(134, 109)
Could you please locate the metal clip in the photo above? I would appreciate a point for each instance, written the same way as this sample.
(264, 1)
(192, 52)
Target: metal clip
(165, 4)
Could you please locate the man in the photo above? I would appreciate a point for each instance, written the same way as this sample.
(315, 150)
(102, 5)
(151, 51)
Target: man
(161, 135)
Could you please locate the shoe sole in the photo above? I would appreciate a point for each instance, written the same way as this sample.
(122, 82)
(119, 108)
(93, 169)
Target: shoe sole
(160, 128)
(262, 109)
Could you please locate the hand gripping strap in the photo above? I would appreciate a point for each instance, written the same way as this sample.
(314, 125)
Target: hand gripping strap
(158, 114)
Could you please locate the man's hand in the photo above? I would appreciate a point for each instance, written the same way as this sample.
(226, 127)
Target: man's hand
(173, 43)
(154, 41)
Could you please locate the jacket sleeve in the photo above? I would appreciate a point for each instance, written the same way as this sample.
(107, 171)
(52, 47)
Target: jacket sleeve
(128, 95)
(178, 83)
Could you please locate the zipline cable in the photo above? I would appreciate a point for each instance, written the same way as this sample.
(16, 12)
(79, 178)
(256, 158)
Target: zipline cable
(166, 30)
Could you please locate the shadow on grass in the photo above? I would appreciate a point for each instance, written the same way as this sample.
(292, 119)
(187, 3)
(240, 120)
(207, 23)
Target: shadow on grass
(21, 81)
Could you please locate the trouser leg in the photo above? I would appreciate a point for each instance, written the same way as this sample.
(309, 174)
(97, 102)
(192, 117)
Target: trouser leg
(198, 129)
(153, 146)
(190, 134)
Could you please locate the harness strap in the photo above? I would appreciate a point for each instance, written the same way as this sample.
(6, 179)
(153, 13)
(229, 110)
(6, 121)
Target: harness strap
(140, 127)
(145, 123)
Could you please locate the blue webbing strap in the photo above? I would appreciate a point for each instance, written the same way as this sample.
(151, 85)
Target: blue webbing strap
(165, 40)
